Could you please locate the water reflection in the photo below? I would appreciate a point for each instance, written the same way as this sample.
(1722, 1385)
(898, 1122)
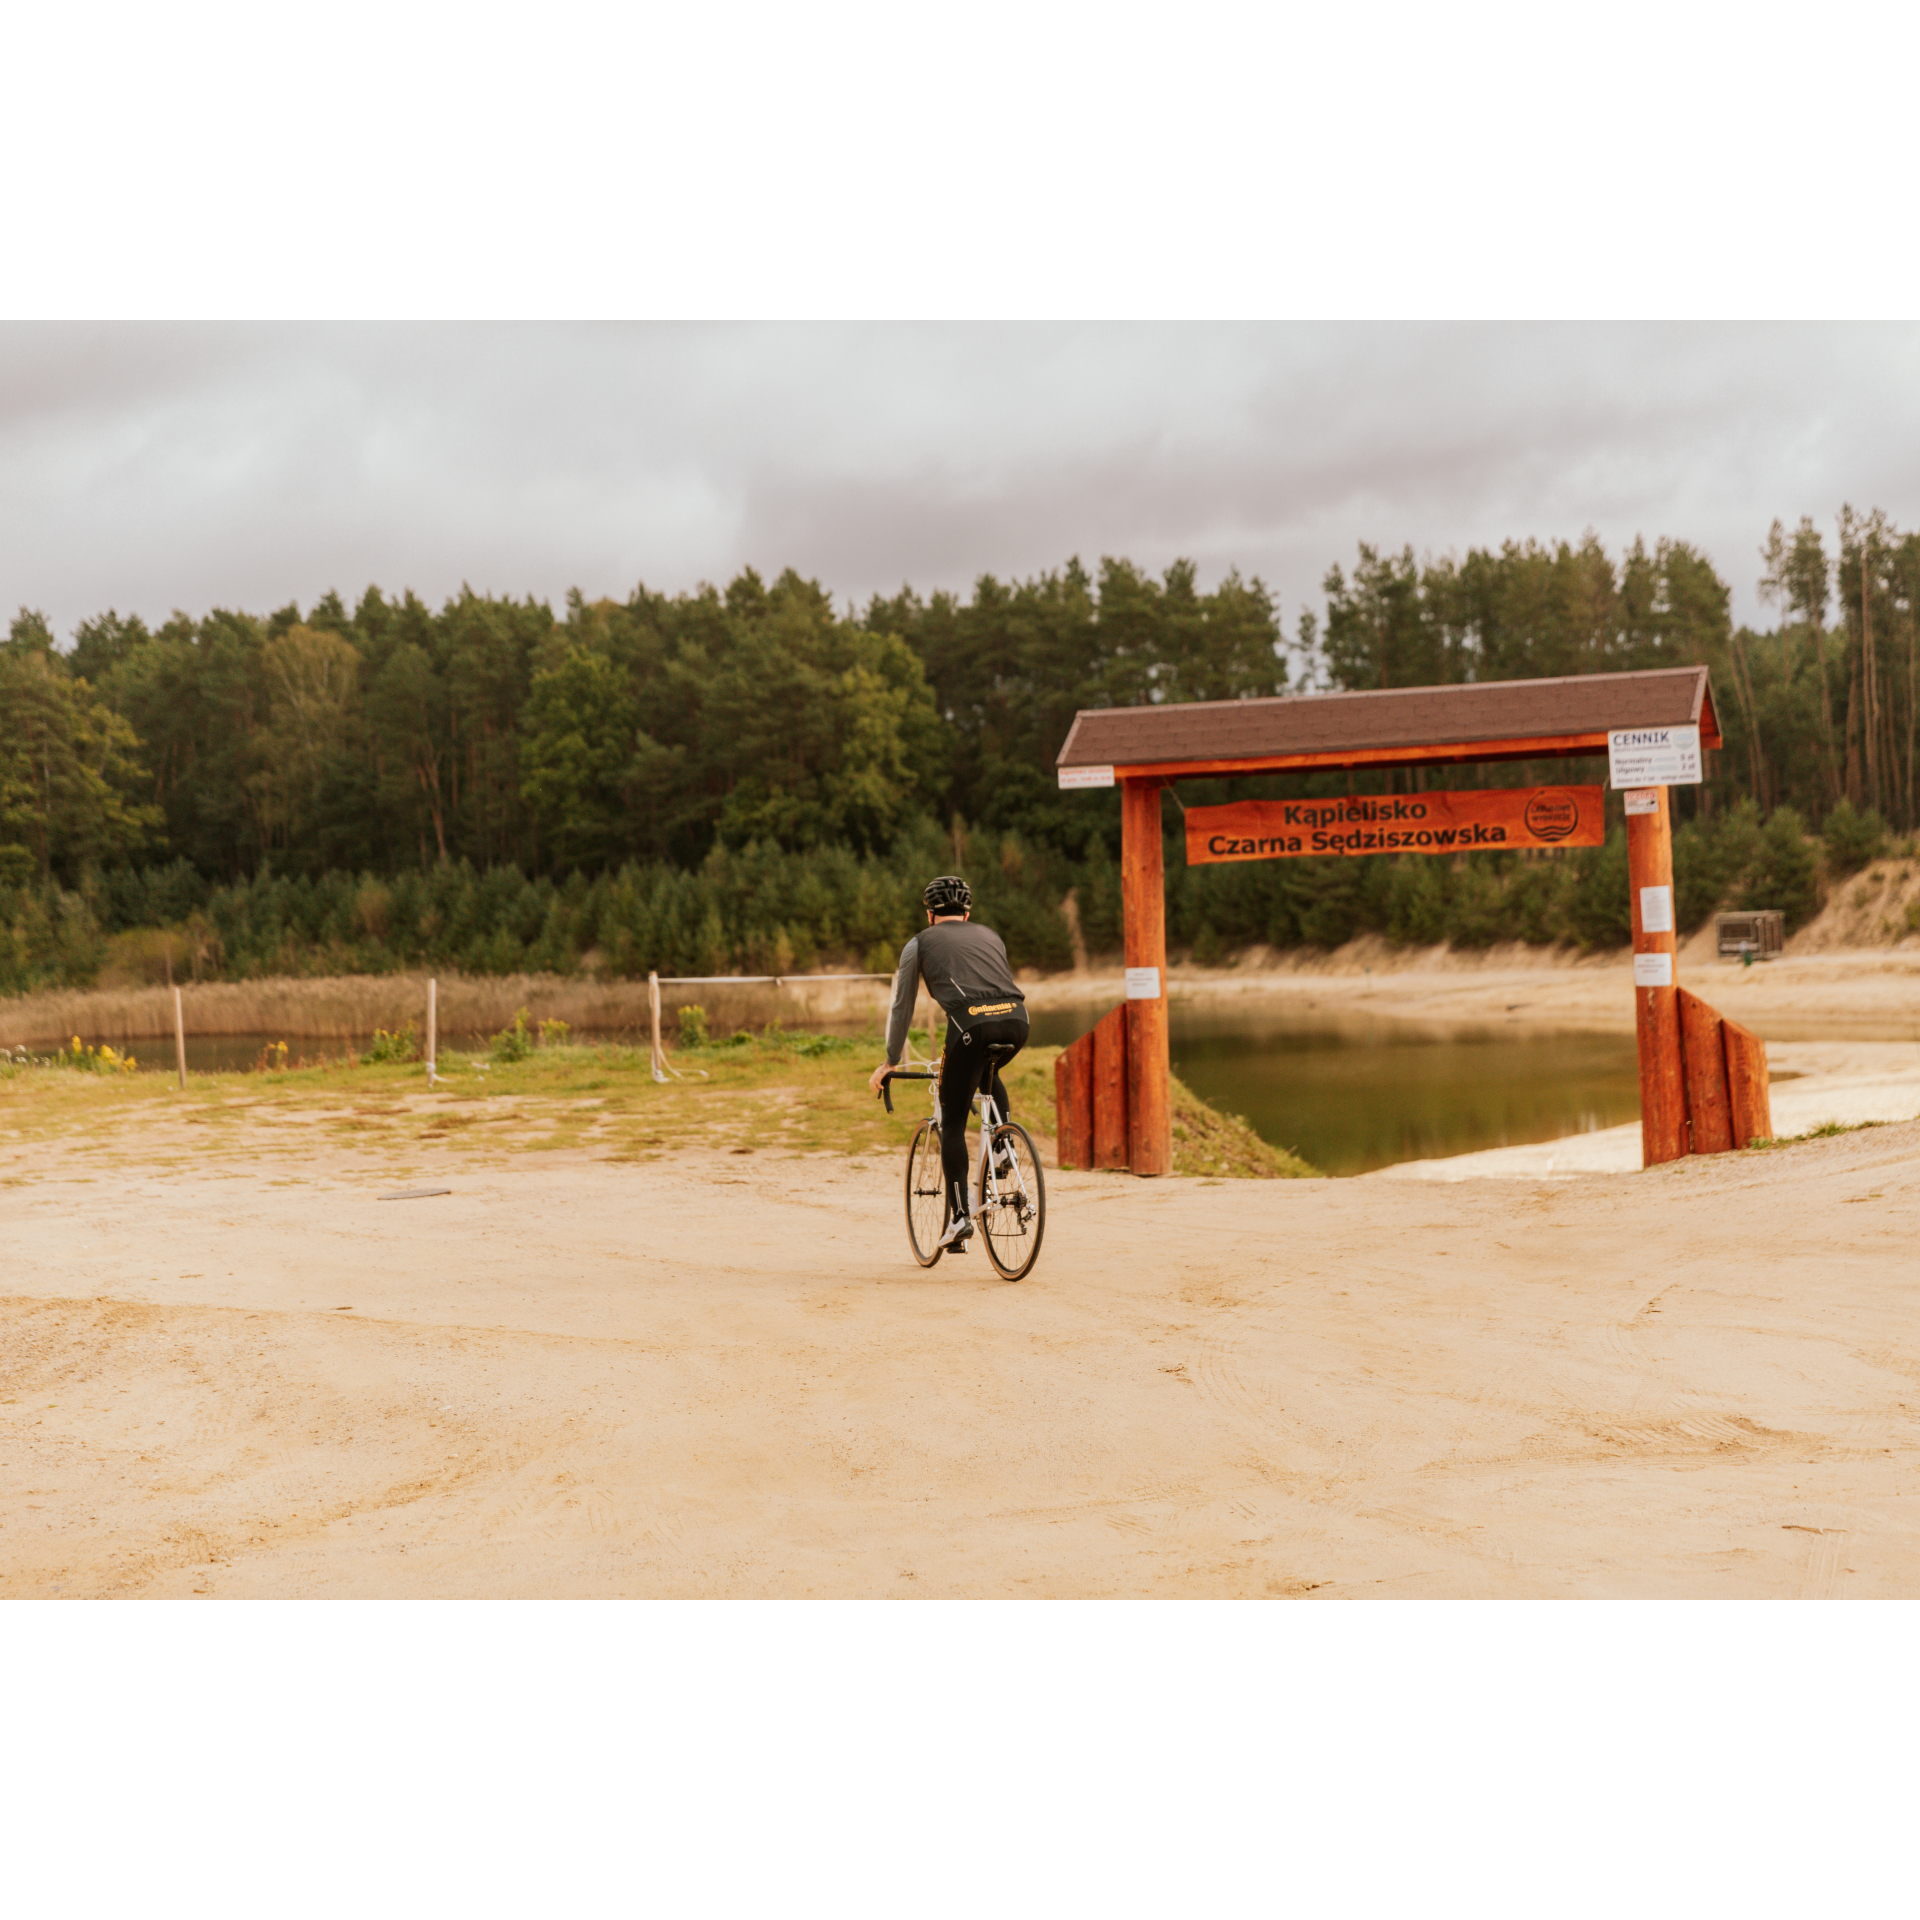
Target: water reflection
(1353, 1091)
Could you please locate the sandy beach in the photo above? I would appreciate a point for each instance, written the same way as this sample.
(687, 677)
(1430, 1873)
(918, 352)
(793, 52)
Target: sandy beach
(230, 1369)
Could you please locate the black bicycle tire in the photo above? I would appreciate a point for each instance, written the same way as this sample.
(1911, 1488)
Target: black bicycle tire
(927, 1130)
(1031, 1244)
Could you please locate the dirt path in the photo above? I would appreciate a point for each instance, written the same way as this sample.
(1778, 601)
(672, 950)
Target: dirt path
(722, 1375)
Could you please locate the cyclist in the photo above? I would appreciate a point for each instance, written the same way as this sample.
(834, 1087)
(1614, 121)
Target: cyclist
(966, 971)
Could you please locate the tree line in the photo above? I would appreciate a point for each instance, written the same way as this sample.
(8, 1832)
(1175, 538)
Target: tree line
(512, 782)
(1822, 711)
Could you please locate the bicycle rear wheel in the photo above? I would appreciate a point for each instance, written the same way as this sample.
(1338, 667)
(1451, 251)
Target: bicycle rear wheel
(1013, 1206)
(926, 1194)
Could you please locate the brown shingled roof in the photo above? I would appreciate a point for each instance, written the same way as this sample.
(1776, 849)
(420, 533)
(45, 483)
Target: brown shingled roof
(1484, 720)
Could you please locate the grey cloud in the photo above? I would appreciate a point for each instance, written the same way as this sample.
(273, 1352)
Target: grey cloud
(149, 467)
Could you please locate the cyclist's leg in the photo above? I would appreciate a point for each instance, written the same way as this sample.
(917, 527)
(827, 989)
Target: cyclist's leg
(1005, 1038)
(960, 1069)
(998, 1089)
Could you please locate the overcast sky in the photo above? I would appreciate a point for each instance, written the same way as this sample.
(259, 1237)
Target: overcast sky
(150, 467)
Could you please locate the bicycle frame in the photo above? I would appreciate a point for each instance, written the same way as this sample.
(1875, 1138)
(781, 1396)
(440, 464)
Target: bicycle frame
(985, 1182)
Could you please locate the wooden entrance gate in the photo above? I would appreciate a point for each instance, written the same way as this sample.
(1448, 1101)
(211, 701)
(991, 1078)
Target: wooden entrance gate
(1114, 1089)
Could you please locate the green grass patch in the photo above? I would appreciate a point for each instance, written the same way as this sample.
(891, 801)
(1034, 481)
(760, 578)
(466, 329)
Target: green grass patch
(1825, 1131)
(1223, 1146)
(777, 1091)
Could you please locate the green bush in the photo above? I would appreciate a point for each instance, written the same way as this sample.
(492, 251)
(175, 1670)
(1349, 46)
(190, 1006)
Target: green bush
(1852, 838)
(1710, 857)
(395, 1049)
(693, 1026)
(1783, 873)
(514, 1042)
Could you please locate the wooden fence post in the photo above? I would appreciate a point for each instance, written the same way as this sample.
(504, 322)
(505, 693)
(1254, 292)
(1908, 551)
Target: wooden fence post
(433, 1028)
(1703, 1055)
(1073, 1104)
(1750, 1105)
(1143, 905)
(1111, 1045)
(1663, 1096)
(180, 1037)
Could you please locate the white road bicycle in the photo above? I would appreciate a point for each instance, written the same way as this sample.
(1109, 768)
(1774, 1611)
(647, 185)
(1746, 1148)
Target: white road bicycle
(1009, 1193)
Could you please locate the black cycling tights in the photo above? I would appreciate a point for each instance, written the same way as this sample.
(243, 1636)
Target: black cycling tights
(961, 1069)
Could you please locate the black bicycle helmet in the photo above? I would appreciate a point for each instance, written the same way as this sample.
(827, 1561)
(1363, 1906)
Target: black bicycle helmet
(948, 894)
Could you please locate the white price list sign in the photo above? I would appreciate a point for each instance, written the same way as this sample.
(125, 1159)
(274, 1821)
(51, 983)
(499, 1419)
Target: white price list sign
(1654, 757)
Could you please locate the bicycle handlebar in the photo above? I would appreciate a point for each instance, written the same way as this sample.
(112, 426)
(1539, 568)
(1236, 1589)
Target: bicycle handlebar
(900, 1073)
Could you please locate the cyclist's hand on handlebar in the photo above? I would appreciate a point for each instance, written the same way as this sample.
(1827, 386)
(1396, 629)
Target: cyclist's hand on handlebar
(874, 1081)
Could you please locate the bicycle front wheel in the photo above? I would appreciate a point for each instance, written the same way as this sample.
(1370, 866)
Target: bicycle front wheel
(1013, 1210)
(926, 1195)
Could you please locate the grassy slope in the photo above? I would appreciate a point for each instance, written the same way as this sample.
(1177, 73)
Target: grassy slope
(793, 1093)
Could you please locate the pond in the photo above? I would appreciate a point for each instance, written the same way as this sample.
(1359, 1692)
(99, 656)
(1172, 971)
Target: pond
(1354, 1092)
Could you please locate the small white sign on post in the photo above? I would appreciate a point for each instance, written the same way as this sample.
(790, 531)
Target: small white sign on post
(1653, 969)
(1143, 983)
(1642, 800)
(1656, 909)
(1071, 777)
(1653, 757)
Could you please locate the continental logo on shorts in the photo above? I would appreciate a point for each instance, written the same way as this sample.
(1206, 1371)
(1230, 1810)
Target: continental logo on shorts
(999, 1006)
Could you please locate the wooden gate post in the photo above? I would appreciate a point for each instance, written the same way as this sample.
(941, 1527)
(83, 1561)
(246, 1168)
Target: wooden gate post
(1663, 1100)
(1143, 909)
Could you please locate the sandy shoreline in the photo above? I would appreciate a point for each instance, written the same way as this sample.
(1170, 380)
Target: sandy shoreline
(230, 1369)
(1825, 996)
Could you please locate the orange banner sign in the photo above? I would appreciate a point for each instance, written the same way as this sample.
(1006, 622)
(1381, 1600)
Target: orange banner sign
(1493, 819)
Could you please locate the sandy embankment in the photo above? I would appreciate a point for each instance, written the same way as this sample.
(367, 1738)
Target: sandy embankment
(230, 1369)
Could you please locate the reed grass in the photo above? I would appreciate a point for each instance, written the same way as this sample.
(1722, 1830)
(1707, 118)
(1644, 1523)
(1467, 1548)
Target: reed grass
(350, 1006)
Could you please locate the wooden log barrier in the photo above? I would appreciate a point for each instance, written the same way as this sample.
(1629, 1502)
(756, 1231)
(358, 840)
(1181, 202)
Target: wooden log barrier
(1073, 1104)
(1749, 1104)
(1703, 1057)
(1110, 1106)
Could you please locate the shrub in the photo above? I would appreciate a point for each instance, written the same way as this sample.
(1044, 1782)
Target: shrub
(514, 1042)
(553, 1033)
(812, 1046)
(1709, 858)
(693, 1026)
(1783, 872)
(1597, 912)
(395, 1049)
(1852, 838)
(85, 1059)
